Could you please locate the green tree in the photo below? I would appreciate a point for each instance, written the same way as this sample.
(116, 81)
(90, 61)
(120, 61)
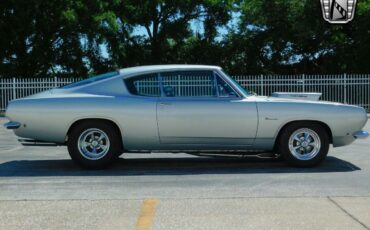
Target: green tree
(167, 24)
(295, 38)
(85, 37)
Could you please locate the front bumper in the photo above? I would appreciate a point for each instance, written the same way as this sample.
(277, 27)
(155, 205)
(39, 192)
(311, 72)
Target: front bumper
(12, 125)
(361, 134)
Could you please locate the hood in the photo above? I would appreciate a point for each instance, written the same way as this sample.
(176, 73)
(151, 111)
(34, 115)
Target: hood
(298, 95)
(278, 99)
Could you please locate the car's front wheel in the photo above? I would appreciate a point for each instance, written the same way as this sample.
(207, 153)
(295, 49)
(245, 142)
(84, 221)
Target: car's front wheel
(94, 145)
(304, 144)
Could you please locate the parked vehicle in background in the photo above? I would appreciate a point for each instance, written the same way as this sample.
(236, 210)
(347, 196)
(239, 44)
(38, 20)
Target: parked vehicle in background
(180, 108)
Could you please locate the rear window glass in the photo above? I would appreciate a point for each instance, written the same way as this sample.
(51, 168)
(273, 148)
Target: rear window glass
(91, 80)
(144, 85)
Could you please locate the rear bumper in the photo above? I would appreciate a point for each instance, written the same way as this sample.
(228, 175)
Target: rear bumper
(12, 125)
(361, 134)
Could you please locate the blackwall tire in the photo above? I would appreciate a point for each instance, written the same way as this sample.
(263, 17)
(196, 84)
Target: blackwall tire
(304, 144)
(94, 145)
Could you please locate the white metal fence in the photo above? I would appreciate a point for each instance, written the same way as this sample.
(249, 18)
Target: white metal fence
(13, 88)
(346, 88)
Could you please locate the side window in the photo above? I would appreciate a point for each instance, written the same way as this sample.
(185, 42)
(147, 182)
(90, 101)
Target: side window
(188, 84)
(224, 89)
(144, 85)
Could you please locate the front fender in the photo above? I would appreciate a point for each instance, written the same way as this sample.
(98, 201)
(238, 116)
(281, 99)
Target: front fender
(342, 120)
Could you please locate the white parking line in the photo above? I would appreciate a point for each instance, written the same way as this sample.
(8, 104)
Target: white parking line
(12, 150)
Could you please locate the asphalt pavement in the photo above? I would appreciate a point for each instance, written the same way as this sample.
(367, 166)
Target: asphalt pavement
(40, 187)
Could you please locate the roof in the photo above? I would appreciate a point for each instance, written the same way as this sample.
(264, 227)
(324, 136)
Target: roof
(158, 68)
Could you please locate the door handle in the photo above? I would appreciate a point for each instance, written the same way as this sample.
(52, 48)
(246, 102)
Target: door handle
(164, 104)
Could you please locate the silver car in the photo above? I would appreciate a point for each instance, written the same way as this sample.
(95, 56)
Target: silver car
(180, 108)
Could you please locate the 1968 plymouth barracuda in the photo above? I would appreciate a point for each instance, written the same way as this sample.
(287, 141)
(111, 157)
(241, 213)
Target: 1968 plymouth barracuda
(180, 108)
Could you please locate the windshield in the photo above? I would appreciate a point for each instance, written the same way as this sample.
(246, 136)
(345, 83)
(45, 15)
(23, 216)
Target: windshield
(91, 79)
(240, 88)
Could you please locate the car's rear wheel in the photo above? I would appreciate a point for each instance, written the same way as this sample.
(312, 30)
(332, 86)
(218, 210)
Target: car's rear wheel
(304, 144)
(94, 145)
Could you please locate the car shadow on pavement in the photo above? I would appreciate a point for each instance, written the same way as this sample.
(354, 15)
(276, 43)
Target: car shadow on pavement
(168, 166)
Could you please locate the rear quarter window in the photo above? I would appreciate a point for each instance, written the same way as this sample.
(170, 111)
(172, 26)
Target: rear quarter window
(92, 79)
(144, 85)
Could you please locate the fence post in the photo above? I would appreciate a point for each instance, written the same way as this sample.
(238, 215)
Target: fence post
(55, 82)
(303, 83)
(262, 84)
(14, 92)
(345, 88)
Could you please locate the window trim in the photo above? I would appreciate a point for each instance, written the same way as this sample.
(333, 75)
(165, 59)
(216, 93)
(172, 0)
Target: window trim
(193, 97)
(159, 76)
(237, 95)
(138, 76)
(230, 83)
(214, 76)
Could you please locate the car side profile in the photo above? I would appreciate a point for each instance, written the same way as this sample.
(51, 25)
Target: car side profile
(180, 108)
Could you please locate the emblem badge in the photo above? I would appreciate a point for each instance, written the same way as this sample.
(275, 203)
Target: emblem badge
(338, 11)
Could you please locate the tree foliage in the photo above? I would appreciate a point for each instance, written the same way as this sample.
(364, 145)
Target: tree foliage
(85, 37)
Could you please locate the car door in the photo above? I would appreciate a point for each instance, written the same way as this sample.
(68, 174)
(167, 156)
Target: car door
(199, 110)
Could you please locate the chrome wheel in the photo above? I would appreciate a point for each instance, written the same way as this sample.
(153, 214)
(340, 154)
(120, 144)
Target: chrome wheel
(304, 144)
(93, 144)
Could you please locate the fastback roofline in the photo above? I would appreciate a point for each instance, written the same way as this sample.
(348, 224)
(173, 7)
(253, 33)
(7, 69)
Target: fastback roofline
(131, 71)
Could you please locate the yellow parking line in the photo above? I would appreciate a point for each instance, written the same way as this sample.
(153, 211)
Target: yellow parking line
(147, 213)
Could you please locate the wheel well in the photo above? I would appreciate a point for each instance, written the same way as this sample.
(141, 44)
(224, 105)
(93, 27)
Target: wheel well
(113, 124)
(325, 126)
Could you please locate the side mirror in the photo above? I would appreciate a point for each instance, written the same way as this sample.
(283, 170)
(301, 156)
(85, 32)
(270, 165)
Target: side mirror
(232, 94)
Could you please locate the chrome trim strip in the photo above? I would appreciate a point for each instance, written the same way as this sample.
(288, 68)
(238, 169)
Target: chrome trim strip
(361, 134)
(31, 142)
(12, 125)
